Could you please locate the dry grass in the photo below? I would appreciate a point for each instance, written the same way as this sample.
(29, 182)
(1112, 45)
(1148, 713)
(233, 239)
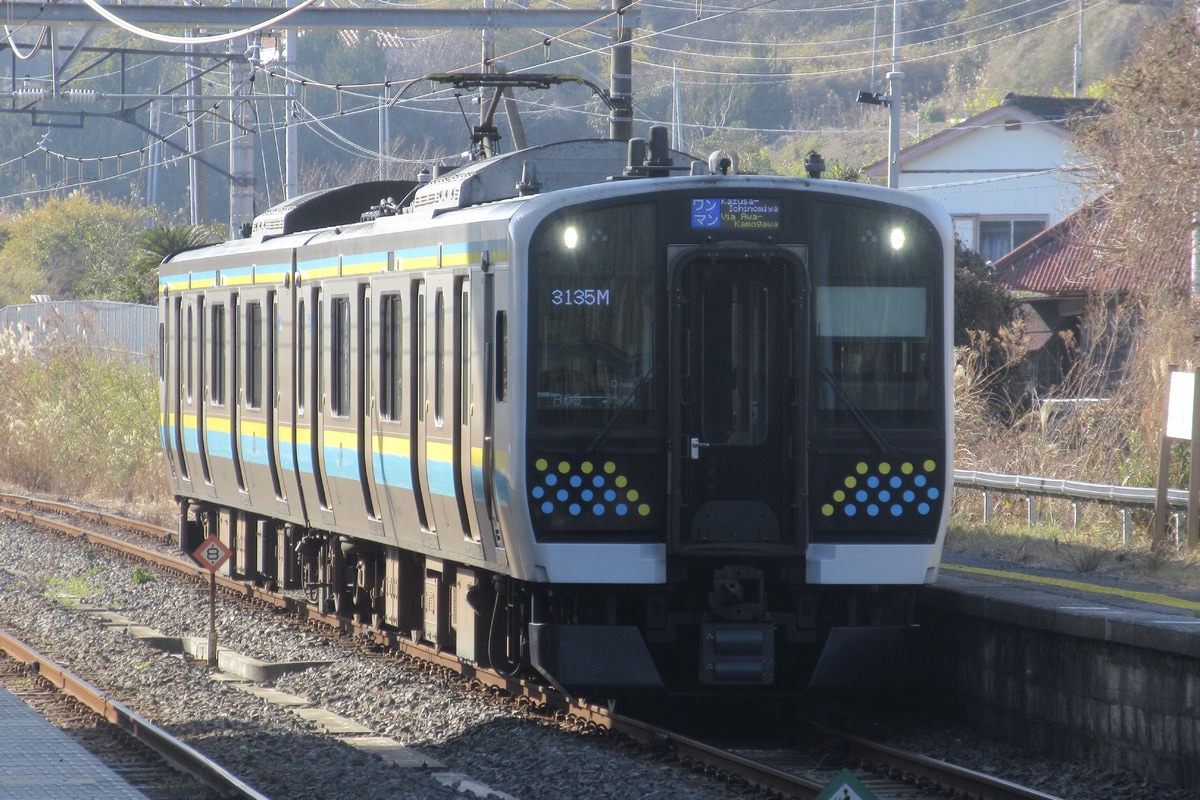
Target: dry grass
(80, 425)
(1121, 362)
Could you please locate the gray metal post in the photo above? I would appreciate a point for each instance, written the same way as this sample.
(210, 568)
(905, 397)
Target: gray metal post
(291, 140)
(620, 118)
(241, 146)
(895, 90)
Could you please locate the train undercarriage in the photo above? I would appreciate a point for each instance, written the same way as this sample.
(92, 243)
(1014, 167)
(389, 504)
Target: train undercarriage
(714, 627)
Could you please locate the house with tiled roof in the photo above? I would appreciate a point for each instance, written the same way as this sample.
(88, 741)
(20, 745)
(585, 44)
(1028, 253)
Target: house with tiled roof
(1004, 175)
(1076, 268)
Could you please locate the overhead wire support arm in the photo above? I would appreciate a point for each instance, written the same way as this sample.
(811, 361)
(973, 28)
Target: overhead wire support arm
(524, 80)
(485, 134)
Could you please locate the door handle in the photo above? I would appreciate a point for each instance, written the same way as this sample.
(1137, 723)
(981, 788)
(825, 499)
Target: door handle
(696, 445)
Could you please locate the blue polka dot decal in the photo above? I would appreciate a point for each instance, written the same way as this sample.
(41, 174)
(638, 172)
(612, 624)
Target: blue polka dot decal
(884, 490)
(591, 488)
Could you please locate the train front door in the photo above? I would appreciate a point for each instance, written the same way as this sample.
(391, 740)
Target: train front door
(738, 336)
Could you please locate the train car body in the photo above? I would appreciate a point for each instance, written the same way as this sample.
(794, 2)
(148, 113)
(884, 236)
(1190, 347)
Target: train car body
(635, 430)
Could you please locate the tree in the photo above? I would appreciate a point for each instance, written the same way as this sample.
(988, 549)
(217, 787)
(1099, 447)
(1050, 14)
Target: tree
(1145, 155)
(70, 248)
(156, 244)
(981, 305)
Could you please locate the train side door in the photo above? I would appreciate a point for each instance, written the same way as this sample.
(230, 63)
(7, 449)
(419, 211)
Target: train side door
(737, 333)
(309, 399)
(288, 338)
(257, 399)
(171, 363)
(190, 392)
(343, 432)
(218, 362)
(424, 416)
(392, 408)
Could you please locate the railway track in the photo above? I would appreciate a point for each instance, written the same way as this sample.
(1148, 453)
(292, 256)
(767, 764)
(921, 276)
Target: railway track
(60, 696)
(891, 774)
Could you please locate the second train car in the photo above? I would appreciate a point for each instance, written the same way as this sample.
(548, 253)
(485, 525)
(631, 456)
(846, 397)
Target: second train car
(636, 422)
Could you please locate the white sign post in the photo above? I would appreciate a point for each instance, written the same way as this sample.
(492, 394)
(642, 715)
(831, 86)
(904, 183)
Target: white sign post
(1181, 417)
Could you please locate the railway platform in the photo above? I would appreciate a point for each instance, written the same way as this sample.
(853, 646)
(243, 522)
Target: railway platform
(40, 762)
(1089, 668)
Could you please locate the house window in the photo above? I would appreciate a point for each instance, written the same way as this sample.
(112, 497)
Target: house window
(1000, 236)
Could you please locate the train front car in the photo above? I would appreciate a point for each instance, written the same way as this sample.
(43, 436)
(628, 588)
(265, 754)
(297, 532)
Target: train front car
(736, 430)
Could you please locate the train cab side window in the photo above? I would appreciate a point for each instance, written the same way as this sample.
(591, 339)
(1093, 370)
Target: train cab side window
(391, 345)
(217, 355)
(501, 356)
(339, 343)
(254, 355)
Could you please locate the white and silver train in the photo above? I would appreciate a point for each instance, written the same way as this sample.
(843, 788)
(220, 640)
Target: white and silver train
(593, 409)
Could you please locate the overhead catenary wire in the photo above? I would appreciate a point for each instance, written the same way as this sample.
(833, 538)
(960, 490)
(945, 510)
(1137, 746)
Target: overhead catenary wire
(369, 102)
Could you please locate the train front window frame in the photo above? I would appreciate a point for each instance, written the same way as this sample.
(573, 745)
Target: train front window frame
(593, 300)
(877, 285)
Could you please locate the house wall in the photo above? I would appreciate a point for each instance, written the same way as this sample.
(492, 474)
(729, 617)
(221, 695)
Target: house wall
(998, 171)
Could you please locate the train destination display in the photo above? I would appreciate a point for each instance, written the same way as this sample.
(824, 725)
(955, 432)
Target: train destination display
(735, 213)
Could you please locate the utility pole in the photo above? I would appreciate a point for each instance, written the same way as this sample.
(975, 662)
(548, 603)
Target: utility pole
(620, 117)
(1077, 80)
(895, 82)
(241, 146)
(291, 137)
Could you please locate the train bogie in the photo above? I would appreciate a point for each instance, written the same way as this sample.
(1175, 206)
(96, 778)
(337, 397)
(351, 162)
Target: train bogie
(640, 433)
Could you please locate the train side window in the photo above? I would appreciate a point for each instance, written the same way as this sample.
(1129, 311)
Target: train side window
(464, 354)
(301, 340)
(439, 351)
(419, 354)
(188, 346)
(501, 356)
(391, 343)
(217, 356)
(339, 396)
(254, 355)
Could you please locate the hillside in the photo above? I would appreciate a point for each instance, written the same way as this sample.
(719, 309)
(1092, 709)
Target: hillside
(770, 79)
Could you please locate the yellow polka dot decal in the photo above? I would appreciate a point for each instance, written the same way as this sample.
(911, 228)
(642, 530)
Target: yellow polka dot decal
(586, 489)
(886, 489)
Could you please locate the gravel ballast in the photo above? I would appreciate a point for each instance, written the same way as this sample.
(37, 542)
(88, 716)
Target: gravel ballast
(485, 746)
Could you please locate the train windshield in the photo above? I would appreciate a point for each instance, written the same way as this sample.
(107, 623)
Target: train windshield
(877, 275)
(591, 300)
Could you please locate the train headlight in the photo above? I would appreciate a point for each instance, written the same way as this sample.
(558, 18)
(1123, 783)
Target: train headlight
(571, 237)
(896, 238)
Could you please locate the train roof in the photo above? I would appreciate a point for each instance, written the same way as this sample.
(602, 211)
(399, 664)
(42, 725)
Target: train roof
(528, 173)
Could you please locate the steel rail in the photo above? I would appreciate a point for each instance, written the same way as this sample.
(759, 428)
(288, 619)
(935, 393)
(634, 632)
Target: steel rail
(917, 769)
(171, 749)
(758, 775)
(966, 782)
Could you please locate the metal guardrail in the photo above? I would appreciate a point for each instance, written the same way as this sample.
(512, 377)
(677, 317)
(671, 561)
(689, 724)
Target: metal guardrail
(1131, 496)
(1126, 498)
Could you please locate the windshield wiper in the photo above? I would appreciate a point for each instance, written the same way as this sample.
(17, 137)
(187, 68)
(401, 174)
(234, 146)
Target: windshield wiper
(621, 411)
(856, 412)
